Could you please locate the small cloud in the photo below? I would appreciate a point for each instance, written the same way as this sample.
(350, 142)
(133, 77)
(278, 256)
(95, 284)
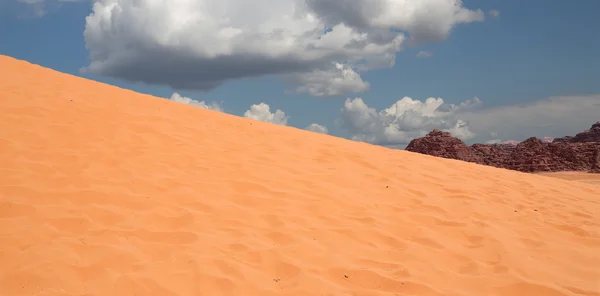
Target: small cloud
(185, 100)
(424, 54)
(263, 112)
(317, 128)
(494, 13)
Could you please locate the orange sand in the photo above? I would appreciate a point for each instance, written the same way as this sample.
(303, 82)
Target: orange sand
(576, 176)
(105, 191)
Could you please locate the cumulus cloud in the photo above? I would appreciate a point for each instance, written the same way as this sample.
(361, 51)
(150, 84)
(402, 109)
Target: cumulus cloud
(406, 119)
(424, 54)
(317, 128)
(201, 44)
(260, 112)
(494, 13)
(263, 112)
(185, 100)
(324, 83)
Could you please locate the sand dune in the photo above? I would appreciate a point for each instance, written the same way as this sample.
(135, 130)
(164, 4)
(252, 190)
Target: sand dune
(105, 191)
(576, 176)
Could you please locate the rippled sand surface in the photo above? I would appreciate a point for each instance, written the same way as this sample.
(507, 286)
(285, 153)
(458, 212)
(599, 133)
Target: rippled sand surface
(104, 191)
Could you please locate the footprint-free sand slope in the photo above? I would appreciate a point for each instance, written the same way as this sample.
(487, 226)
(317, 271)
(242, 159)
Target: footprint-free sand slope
(104, 191)
(576, 176)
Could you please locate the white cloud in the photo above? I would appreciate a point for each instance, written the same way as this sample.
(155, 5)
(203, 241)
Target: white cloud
(263, 112)
(317, 128)
(334, 82)
(200, 44)
(551, 117)
(494, 13)
(185, 100)
(407, 119)
(424, 54)
(461, 130)
(260, 112)
(404, 120)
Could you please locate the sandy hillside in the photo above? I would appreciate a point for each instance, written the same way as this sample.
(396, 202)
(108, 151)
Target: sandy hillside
(576, 176)
(109, 192)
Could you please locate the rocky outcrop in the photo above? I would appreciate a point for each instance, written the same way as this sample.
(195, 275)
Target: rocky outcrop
(442, 144)
(493, 154)
(596, 162)
(591, 135)
(578, 153)
(563, 139)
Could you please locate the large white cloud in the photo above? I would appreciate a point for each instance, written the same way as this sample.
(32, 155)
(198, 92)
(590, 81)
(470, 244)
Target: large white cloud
(198, 44)
(406, 119)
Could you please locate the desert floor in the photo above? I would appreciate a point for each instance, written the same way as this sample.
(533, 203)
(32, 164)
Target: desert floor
(576, 176)
(104, 191)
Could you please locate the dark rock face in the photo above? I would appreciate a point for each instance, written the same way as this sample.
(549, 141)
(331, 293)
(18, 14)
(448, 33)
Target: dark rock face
(591, 135)
(563, 139)
(442, 144)
(596, 162)
(578, 153)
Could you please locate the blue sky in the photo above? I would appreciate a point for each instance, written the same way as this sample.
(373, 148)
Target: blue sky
(531, 51)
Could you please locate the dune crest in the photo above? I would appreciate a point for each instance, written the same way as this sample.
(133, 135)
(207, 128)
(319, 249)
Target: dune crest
(105, 191)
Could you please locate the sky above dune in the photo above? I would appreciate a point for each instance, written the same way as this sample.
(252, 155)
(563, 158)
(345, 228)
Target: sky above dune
(379, 71)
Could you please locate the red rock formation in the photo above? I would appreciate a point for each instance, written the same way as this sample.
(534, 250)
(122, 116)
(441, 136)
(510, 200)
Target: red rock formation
(591, 135)
(442, 144)
(578, 153)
